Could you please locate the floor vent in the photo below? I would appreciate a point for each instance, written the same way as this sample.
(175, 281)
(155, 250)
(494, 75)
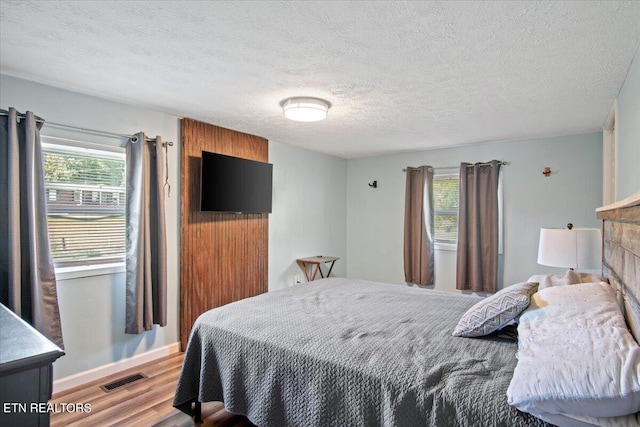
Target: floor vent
(122, 382)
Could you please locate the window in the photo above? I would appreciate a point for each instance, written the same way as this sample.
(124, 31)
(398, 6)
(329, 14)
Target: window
(85, 194)
(445, 208)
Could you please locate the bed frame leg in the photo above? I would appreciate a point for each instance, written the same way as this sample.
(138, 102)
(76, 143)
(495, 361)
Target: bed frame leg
(197, 412)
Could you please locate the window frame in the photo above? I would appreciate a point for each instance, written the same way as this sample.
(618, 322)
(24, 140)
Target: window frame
(445, 244)
(65, 270)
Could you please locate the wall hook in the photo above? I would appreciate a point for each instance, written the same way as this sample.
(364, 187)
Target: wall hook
(547, 171)
(373, 184)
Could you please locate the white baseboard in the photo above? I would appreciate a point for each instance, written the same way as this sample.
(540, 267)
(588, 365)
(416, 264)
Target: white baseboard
(81, 378)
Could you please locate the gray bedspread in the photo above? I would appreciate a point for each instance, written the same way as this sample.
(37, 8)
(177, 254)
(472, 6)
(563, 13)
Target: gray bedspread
(339, 352)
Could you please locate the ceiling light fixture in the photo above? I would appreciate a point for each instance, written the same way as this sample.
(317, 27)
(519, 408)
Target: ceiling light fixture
(302, 109)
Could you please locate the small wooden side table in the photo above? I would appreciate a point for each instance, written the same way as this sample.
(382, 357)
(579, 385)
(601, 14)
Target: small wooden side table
(307, 265)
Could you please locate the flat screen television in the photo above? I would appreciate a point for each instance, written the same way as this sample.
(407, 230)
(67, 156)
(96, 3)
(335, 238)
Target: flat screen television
(234, 185)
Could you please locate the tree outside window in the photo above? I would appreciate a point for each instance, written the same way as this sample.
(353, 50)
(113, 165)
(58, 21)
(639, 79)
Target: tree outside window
(86, 204)
(445, 201)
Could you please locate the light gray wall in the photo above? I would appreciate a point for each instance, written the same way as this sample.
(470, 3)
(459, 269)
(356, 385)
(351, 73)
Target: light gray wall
(92, 308)
(531, 201)
(309, 211)
(628, 128)
(322, 205)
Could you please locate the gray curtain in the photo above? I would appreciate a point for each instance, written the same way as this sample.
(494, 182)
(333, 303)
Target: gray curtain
(477, 256)
(146, 281)
(27, 275)
(418, 227)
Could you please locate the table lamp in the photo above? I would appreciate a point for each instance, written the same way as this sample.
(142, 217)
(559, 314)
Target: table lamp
(573, 248)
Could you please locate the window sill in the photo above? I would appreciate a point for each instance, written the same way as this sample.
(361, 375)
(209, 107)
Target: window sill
(445, 246)
(64, 273)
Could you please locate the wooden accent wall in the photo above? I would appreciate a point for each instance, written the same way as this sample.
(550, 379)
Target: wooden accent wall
(223, 257)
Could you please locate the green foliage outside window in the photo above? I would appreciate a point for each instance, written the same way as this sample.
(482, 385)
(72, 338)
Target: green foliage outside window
(83, 170)
(445, 200)
(85, 193)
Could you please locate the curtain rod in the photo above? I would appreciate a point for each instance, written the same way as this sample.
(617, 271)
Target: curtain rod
(502, 162)
(94, 131)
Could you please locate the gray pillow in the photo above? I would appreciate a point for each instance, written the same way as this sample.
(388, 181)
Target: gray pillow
(496, 311)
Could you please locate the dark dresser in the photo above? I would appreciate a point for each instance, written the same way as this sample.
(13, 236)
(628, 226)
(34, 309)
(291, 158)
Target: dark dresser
(26, 372)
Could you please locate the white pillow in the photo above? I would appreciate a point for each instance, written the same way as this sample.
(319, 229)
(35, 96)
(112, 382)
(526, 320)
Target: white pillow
(570, 420)
(571, 277)
(576, 355)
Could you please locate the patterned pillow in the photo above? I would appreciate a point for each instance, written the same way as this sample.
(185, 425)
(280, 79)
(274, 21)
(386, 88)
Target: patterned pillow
(496, 311)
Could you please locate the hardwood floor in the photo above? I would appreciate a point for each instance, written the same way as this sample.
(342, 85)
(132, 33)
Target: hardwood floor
(146, 402)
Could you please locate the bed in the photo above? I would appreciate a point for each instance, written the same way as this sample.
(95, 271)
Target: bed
(350, 352)
(342, 352)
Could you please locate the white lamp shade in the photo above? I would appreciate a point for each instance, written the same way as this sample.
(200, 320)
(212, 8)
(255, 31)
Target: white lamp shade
(305, 109)
(575, 248)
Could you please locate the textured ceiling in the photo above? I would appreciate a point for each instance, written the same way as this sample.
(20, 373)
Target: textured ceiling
(399, 75)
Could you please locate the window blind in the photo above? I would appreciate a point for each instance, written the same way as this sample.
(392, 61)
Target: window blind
(85, 193)
(445, 207)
